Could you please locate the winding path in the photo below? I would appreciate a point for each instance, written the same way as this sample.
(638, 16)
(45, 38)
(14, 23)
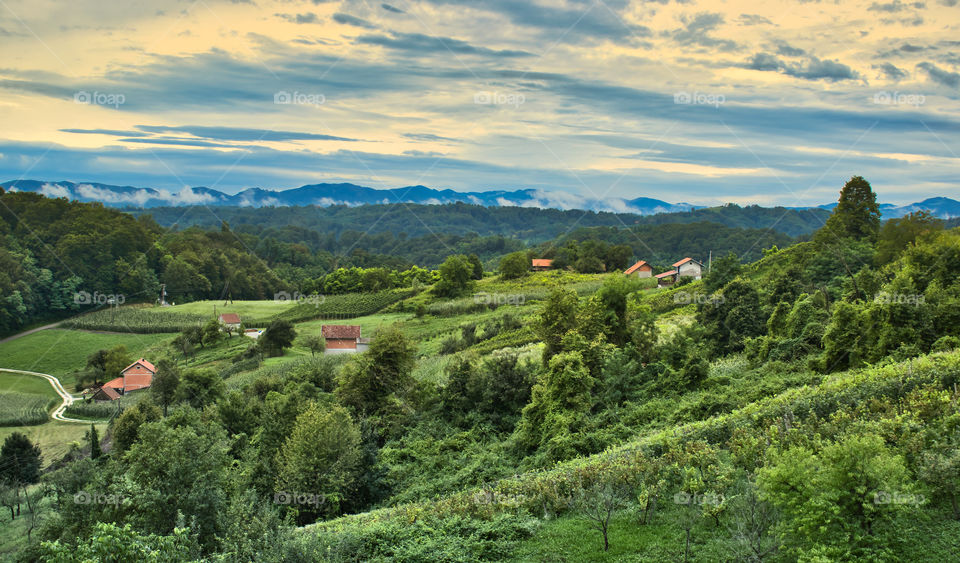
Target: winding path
(31, 331)
(68, 399)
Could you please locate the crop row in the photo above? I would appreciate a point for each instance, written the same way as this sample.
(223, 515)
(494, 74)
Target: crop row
(136, 320)
(344, 306)
(23, 409)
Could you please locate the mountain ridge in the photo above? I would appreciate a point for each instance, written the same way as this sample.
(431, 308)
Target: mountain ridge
(349, 194)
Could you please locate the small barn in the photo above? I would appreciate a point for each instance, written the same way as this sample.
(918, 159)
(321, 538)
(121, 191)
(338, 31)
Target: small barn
(641, 269)
(341, 338)
(230, 321)
(666, 278)
(688, 267)
(105, 393)
(541, 264)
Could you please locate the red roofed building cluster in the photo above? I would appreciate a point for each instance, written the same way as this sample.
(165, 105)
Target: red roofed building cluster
(136, 376)
(343, 338)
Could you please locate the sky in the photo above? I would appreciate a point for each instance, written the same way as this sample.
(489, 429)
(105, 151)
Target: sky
(773, 103)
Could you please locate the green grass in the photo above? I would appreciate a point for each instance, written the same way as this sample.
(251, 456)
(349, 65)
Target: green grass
(54, 437)
(243, 308)
(19, 383)
(62, 352)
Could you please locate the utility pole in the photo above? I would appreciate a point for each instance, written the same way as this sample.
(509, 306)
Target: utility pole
(163, 295)
(709, 261)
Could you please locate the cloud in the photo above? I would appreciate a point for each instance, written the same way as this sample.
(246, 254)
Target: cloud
(418, 42)
(810, 68)
(347, 19)
(391, 8)
(896, 6)
(55, 191)
(429, 137)
(587, 22)
(308, 17)
(940, 76)
(113, 132)
(697, 32)
(783, 48)
(240, 133)
(891, 72)
(754, 19)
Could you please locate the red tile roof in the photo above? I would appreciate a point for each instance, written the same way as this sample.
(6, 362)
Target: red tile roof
(542, 263)
(684, 261)
(142, 362)
(665, 274)
(230, 318)
(637, 266)
(340, 331)
(108, 391)
(134, 382)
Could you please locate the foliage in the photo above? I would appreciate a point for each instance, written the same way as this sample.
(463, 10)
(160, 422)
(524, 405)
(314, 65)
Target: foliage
(19, 460)
(514, 265)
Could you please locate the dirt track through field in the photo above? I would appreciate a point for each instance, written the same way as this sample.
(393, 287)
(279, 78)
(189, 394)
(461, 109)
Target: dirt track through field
(68, 399)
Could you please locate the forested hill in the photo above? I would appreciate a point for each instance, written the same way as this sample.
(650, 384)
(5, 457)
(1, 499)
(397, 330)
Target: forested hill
(529, 224)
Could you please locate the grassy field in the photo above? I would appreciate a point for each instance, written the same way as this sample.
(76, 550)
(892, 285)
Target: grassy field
(54, 438)
(257, 309)
(61, 352)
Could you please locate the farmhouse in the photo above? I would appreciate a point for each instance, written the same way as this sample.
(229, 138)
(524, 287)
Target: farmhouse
(230, 321)
(541, 264)
(641, 269)
(688, 267)
(138, 375)
(342, 339)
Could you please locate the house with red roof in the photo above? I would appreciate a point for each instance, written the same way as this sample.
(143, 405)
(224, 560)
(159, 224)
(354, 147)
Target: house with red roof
(230, 321)
(136, 376)
(688, 267)
(343, 339)
(105, 393)
(541, 264)
(666, 278)
(641, 269)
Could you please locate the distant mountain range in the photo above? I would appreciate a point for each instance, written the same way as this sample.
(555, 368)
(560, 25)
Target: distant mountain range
(352, 195)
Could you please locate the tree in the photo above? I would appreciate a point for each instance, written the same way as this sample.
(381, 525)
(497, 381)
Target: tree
(94, 438)
(477, 266)
(558, 315)
(558, 408)
(598, 503)
(165, 383)
(178, 466)
(315, 343)
(367, 383)
(842, 348)
(456, 276)
(833, 501)
(899, 233)
(514, 265)
(320, 460)
(722, 271)
(857, 214)
(278, 335)
(126, 427)
(110, 542)
(200, 387)
(211, 332)
(19, 460)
